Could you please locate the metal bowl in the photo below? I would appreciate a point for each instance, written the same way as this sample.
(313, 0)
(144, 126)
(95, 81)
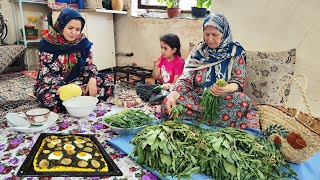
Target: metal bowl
(126, 131)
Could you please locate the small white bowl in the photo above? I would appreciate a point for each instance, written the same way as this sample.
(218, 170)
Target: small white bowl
(80, 106)
(38, 116)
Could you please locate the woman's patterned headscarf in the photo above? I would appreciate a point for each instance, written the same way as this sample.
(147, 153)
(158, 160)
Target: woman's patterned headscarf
(216, 60)
(65, 16)
(76, 51)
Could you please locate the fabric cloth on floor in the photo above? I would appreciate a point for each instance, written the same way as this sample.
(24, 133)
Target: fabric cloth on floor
(307, 170)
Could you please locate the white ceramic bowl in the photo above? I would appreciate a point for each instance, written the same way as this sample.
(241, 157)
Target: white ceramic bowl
(38, 116)
(80, 106)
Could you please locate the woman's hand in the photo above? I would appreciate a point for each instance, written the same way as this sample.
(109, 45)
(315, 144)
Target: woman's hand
(58, 91)
(171, 100)
(219, 91)
(91, 87)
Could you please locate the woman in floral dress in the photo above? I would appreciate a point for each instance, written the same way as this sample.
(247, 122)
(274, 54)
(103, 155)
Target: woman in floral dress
(65, 57)
(216, 57)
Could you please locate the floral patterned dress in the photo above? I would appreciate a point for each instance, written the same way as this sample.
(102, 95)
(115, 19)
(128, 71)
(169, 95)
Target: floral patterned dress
(52, 74)
(236, 109)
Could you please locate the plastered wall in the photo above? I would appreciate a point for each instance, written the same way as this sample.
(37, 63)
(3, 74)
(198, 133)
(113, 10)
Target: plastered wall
(261, 25)
(142, 37)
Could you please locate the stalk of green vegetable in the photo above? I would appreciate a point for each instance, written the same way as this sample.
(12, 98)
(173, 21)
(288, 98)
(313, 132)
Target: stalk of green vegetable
(158, 87)
(210, 103)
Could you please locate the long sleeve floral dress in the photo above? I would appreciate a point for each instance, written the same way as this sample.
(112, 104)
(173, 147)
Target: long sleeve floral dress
(53, 73)
(236, 109)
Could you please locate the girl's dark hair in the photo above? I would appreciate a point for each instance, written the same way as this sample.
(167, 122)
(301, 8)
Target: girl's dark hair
(173, 41)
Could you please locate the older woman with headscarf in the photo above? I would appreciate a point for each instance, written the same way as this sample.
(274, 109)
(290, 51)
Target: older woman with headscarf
(216, 57)
(66, 57)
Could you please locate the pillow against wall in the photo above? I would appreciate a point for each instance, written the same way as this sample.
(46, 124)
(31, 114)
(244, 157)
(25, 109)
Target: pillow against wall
(265, 71)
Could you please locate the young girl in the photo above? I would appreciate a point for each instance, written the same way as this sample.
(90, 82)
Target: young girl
(169, 66)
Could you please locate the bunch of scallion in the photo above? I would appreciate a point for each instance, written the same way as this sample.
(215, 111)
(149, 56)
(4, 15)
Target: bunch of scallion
(210, 103)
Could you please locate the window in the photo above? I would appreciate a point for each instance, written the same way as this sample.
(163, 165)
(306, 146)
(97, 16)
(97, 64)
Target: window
(185, 5)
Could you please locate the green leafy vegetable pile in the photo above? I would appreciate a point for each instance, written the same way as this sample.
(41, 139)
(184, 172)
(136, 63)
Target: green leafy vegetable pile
(176, 112)
(180, 150)
(210, 103)
(129, 118)
(242, 156)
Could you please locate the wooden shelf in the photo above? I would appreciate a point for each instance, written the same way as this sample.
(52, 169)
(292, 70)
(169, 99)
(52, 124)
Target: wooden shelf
(30, 1)
(31, 41)
(111, 11)
(101, 10)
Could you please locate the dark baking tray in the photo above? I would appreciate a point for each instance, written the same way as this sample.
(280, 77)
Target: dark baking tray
(27, 168)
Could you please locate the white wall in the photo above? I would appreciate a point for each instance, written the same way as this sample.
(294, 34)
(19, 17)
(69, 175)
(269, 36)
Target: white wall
(273, 25)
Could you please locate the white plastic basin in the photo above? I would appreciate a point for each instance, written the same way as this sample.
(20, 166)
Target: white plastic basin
(80, 106)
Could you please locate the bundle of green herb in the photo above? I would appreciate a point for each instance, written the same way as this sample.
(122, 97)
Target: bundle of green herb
(210, 103)
(129, 118)
(175, 144)
(176, 112)
(240, 155)
(225, 154)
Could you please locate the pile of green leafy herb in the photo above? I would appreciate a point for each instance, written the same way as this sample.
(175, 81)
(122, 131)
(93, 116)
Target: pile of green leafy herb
(242, 156)
(160, 147)
(176, 112)
(179, 150)
(129, 118)
(210, 103)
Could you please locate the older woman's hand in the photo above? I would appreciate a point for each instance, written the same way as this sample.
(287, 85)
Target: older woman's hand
(219, 91)
(171, 100)
(92, 87)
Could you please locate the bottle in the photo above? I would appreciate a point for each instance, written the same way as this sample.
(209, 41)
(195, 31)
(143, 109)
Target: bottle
(116, 93)
(44, 25)
(81, 4)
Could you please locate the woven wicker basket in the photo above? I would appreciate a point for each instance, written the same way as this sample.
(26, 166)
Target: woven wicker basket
(279, 121)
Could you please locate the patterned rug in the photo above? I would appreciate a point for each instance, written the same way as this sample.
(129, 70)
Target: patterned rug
(16, 93)
(8, 54)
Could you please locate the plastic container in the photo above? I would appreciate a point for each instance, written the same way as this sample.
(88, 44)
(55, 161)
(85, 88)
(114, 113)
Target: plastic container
(80, 106)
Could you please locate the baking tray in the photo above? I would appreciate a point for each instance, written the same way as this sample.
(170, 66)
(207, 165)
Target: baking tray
(27, 168)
